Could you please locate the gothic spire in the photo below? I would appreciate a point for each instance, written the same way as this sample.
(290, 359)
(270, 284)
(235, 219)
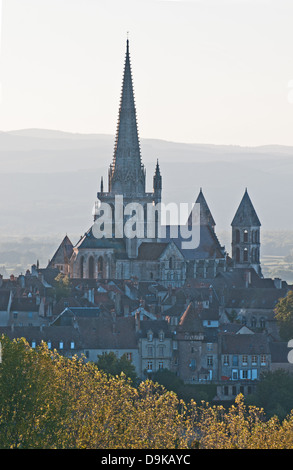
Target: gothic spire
(206, 217)
(127, 175)
(246, 215)
(157, 183)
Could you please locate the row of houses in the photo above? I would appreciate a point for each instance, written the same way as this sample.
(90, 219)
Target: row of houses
(204, 333)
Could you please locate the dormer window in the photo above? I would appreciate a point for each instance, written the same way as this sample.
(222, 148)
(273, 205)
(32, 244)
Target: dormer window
(161, 336)
(150, 336)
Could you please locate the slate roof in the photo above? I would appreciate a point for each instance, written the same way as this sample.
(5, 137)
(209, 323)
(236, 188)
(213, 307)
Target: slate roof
(206, 217)
(254, 298)
(4, 299)
(63, 253)
(245, 215)
(209, 245)
(151, 251)
(90, 241)
(106, 333)
(155, 326)
(66, 334)
(237, 278)
(89, 333)
(250, 344)
(71, 314)
(279, 352)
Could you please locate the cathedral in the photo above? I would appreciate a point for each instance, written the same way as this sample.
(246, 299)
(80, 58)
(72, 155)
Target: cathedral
(157, 258)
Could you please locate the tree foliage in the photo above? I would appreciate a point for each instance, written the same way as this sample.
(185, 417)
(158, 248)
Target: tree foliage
(284, 316)
(113, 365)
(62, 286)
(274, 393)
(49, 401)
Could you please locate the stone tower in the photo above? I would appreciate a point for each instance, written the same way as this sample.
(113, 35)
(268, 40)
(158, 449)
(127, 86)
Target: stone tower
(246, 236)
(127, 175)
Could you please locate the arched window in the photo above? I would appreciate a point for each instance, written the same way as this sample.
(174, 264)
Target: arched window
(100, 267)
(253, 322)
(245, 236)
(237, 255)
(262, 322)
(171, 263)
(245, 255)
(237, 236)
(81, 267)
(91, 267)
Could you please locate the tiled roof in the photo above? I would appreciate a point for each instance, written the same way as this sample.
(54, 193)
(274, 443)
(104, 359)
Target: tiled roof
(190, 320)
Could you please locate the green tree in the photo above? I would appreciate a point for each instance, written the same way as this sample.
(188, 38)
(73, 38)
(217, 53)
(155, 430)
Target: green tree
(274, 393)
(168, 379)
(113, 365)
(33, 405)
(284, 316)
(62, 286)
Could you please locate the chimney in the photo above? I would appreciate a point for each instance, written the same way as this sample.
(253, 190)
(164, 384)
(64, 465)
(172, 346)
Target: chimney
(137, 321)
(113, 321)
(278, 283)
(21, 281)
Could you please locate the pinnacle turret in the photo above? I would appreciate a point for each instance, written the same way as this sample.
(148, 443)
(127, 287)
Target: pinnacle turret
(127, 174)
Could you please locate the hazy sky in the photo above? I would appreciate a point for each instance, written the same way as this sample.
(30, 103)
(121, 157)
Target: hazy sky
(205, 71)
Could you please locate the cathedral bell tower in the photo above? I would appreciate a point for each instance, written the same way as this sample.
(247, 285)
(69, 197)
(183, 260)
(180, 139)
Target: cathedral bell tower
(246, 236)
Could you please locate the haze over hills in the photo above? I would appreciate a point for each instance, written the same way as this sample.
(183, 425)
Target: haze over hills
(50, 179)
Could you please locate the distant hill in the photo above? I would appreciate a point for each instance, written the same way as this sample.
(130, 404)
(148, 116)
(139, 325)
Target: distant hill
(49, 179)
